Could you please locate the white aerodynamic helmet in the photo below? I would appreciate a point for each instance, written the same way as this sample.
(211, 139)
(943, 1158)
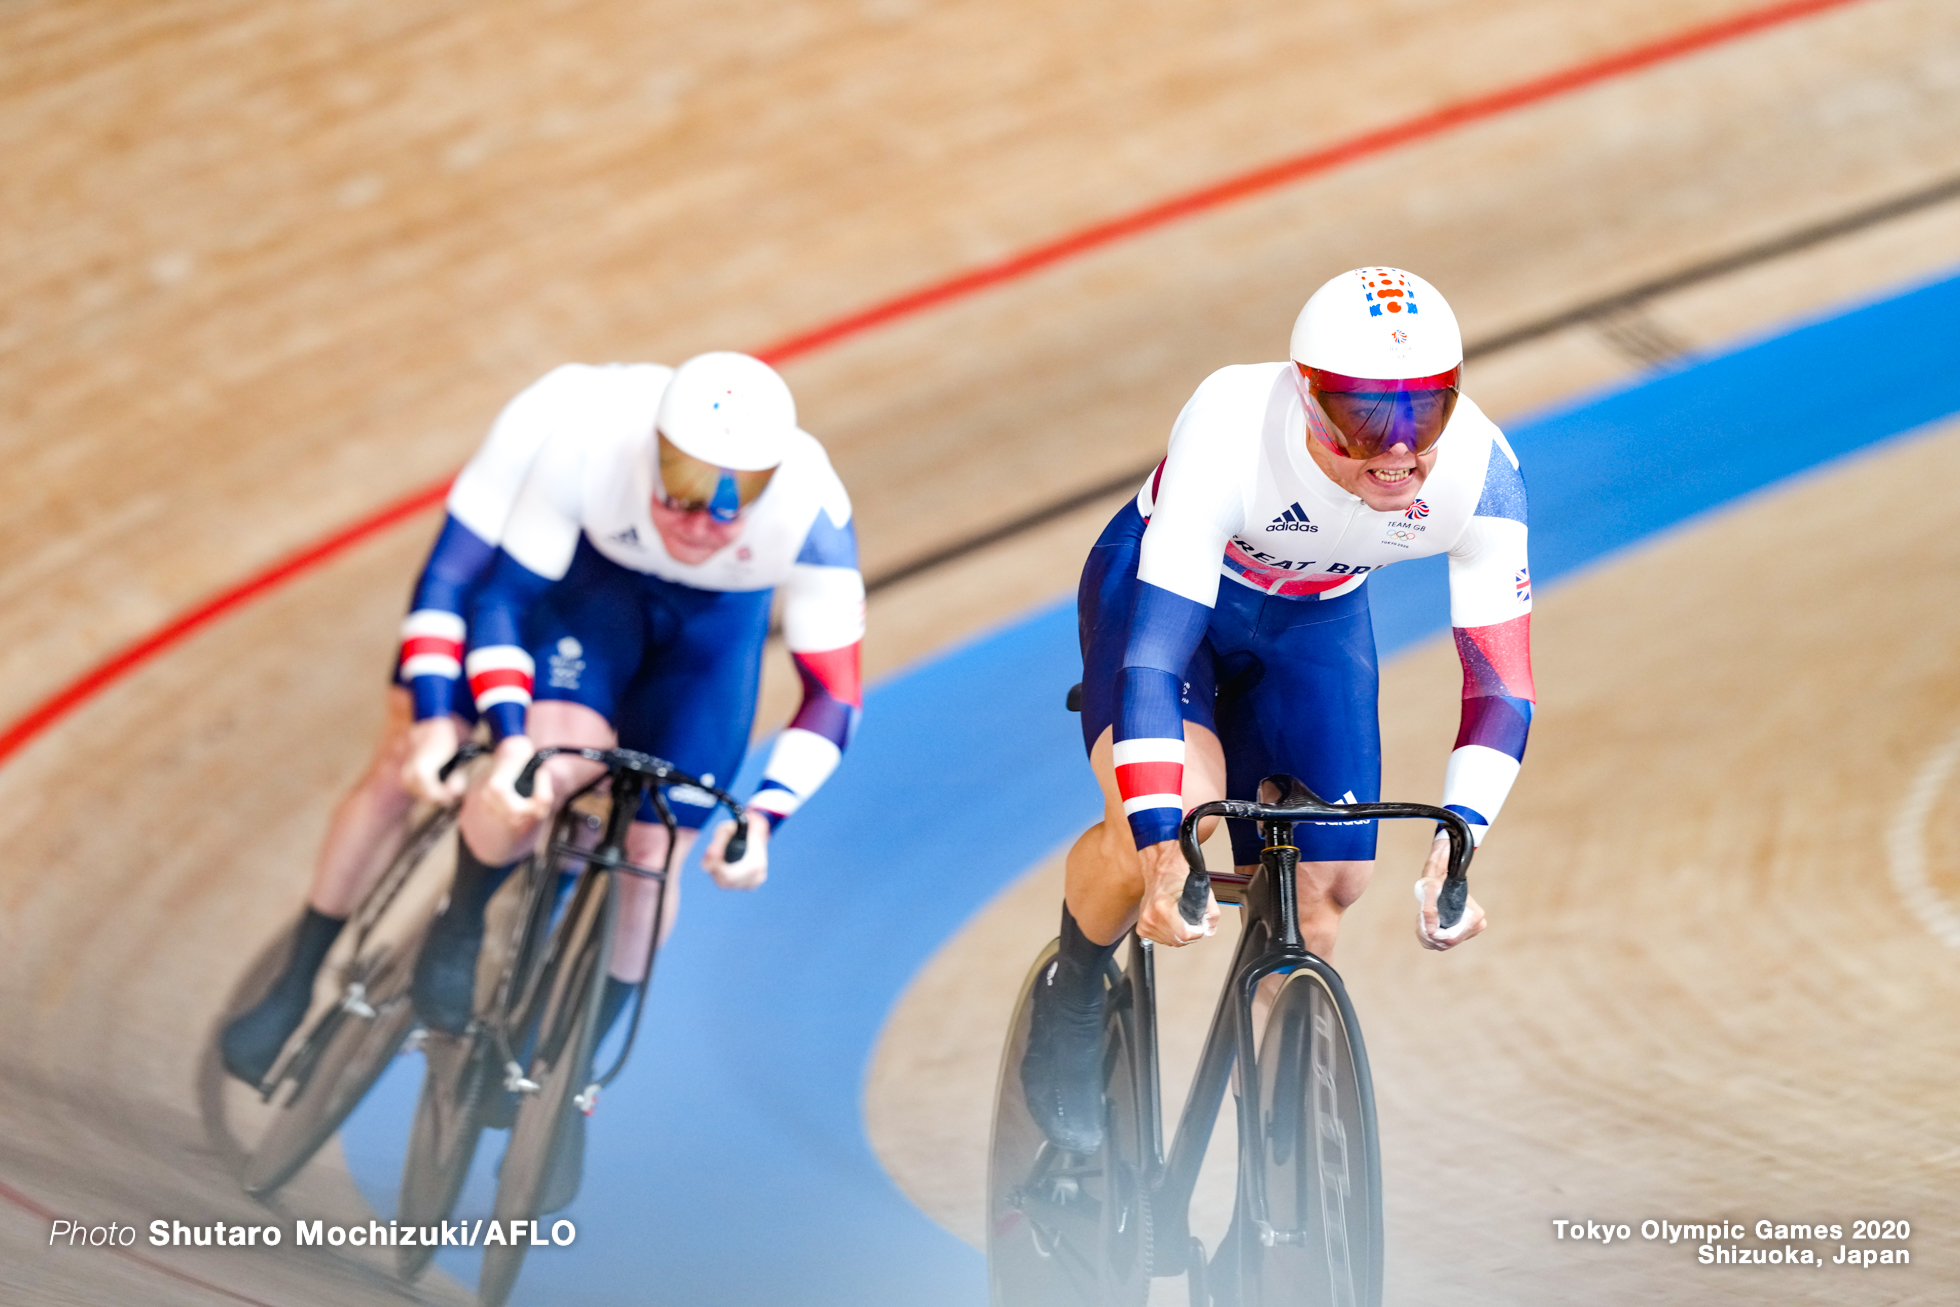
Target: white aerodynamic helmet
(1377, 358)
(728, 410)
(1379, 323)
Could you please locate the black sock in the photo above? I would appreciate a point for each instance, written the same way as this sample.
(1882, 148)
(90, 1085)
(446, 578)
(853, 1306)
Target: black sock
(612, 1003)
(1076, 979)
(312, 938)
(470, 891)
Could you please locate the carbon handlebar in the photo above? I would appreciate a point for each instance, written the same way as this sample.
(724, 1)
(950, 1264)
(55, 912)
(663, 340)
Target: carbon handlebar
(658, 771)
(1305, 805)
(465, 752)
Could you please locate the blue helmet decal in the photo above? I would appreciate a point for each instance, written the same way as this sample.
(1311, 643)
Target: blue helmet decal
(726, 506)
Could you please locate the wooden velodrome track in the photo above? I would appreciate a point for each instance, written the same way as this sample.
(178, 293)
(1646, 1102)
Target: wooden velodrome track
(268, 270)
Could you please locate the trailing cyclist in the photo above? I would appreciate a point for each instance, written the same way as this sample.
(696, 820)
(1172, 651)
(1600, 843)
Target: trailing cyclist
(1289, 483)
(429, 711)
(628, 604)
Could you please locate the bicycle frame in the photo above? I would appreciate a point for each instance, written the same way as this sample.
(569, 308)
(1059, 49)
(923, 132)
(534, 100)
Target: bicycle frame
(1270, 944)
(632, 776)
(297, 1064)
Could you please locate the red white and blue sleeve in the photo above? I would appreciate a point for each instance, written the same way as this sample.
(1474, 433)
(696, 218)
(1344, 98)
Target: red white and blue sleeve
(1490, 611)
(823, 625)
(1196, 503)
(479, 503)
(540, 537)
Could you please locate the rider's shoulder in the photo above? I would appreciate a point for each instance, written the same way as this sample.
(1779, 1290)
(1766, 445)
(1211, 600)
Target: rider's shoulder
(807, 472)
(1478, 442)
(1239, 383)
(575, 401)
(599, 382)
(1472, 417)
(1229, 406)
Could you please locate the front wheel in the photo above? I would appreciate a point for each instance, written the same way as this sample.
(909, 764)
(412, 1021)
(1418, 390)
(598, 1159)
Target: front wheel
(443, 1140)
(1319, 1160)
(541, 1163)
(1067, 1229)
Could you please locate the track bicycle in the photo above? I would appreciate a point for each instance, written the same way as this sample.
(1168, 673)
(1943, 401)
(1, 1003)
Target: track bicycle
(523, 1061)
(333, 1060)
(1091, 1230)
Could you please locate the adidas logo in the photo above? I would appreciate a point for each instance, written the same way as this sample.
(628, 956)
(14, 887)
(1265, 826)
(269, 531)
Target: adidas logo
(630, 536)
(1293, 519)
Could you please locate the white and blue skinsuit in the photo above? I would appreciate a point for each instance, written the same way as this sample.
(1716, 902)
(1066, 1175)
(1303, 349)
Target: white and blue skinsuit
(580, 601)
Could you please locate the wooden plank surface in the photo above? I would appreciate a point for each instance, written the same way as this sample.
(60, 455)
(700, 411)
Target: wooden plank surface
(268, 268)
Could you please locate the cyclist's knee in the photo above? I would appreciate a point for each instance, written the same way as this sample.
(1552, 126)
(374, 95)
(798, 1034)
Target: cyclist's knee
(1106, 856)
(646, 843)
(1327, 890)
(490, 837)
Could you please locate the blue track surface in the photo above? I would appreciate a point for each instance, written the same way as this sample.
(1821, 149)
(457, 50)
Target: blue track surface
(729, 1166)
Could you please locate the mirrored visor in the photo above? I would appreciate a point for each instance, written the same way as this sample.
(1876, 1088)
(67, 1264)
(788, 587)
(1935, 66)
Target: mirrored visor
(1366, 416)
(692, 485)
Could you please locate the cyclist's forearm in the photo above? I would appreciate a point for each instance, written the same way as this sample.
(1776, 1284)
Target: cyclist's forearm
(1496, 723)
(499, 667)
(432, 634)
(1149, 730)
(810, 747)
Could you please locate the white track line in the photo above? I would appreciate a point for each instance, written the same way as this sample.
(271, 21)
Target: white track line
(1906, 843)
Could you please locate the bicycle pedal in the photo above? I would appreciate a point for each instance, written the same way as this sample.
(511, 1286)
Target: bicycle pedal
(515, 1082)
(355, 1001)
(587, 1102)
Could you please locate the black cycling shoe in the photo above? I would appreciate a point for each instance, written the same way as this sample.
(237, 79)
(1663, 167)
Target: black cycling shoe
(251, 1041)
(1061, 1072)
(444, 988)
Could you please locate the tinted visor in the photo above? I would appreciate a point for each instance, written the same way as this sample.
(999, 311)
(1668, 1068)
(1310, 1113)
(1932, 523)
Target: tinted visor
(1363, 417)
(690, 485)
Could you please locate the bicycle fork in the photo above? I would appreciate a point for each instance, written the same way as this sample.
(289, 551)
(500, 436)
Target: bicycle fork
(1229, 1042)
(628, 789)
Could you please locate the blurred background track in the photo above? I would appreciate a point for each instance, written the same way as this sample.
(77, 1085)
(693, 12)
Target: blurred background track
(270, 269)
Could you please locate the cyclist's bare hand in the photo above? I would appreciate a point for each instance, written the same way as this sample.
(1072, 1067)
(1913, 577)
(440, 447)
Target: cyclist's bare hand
(753, 869)
(1428, 928)
(1158, 919)
(431, 743)
(516, 813)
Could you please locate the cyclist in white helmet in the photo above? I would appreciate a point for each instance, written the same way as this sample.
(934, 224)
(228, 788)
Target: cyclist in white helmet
(1226, 637)
(628, 604)
(429, 711)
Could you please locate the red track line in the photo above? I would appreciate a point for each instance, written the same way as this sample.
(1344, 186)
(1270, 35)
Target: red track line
(970, 282)
(88, 684)
(26, 1204)
(1300, 166)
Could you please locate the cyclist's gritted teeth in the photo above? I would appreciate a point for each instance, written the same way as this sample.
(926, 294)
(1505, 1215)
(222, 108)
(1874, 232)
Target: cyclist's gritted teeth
(1390, 476)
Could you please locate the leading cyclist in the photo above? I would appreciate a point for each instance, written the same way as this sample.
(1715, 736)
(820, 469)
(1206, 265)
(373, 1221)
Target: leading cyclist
(1291, 482)
(629, 603)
